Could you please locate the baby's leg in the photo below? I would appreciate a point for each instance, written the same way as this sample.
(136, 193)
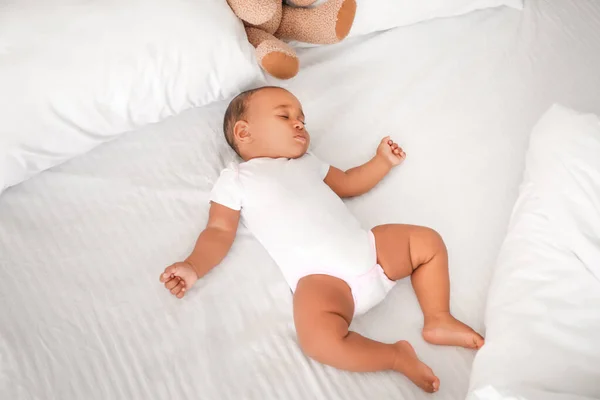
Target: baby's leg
(323, 309)
(404, 250)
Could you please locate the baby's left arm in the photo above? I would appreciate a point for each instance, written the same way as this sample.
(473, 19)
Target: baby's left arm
(361, 179)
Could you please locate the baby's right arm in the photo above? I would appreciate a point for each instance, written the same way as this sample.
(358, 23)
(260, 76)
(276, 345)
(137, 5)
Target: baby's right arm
(212, 246)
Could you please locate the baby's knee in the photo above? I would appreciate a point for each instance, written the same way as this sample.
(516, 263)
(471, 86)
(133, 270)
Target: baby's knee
(432, 240)
(435, 236)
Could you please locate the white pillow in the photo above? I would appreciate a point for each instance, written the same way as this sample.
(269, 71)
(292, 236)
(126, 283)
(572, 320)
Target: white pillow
(379, 15)
(75, 73)
(543, 310)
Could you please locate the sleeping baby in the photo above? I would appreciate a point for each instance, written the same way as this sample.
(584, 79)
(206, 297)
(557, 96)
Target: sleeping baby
(291, 202)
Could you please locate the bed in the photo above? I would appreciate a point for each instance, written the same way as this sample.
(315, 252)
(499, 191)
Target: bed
(84, 316)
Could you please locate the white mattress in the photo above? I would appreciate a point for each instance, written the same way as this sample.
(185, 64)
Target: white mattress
(83, 315)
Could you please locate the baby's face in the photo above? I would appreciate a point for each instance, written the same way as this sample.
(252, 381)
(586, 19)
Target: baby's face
(276, 125)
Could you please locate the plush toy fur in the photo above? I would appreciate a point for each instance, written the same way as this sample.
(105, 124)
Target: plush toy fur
(271, 22)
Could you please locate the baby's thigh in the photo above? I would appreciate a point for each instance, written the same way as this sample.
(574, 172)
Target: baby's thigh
(402, 248)
(323, 310)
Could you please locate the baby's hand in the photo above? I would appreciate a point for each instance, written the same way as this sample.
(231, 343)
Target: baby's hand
(390, 151)
(178, 278)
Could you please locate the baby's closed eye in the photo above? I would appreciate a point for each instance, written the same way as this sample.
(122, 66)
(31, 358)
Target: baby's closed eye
(287, 118)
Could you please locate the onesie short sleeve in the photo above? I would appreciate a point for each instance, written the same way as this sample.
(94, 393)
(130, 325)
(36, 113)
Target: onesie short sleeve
(227, 190)
(320, 166)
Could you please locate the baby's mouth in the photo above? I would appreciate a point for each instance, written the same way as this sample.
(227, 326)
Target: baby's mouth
(300, 138)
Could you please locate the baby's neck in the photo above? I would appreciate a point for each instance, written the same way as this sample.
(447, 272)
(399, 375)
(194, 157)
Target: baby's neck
(246, 159)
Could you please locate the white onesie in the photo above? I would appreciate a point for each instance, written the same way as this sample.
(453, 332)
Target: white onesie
(304, 226)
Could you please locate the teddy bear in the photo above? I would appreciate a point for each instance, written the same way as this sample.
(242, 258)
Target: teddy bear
(270, 23)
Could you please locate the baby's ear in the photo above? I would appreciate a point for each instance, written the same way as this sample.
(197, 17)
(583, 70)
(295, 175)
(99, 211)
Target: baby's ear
(241, 131)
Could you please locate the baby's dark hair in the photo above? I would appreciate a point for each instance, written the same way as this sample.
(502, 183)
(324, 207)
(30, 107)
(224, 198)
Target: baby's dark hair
(236, 111)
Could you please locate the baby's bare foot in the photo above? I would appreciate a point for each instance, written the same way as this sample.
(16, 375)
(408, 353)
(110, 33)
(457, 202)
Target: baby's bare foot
(444, 329)
(414, 369)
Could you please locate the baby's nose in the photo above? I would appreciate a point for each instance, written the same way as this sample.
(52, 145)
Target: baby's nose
(298, 125)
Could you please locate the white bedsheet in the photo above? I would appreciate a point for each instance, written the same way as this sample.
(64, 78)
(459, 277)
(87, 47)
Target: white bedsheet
(543, 309)
(81, 246)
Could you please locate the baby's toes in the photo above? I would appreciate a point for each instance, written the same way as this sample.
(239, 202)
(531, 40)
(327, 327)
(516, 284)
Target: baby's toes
(436, 384)
(478, 341)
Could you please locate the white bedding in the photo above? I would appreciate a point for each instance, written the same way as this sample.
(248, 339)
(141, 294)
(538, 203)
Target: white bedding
(81, 246)
(543, 309)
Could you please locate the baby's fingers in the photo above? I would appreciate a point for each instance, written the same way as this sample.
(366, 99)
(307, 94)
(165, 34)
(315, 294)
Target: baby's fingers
(164, 277)
(178, 288)
(394, 146)
(387, 140)
(398, 150)
(169, 271)
(170, 284)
